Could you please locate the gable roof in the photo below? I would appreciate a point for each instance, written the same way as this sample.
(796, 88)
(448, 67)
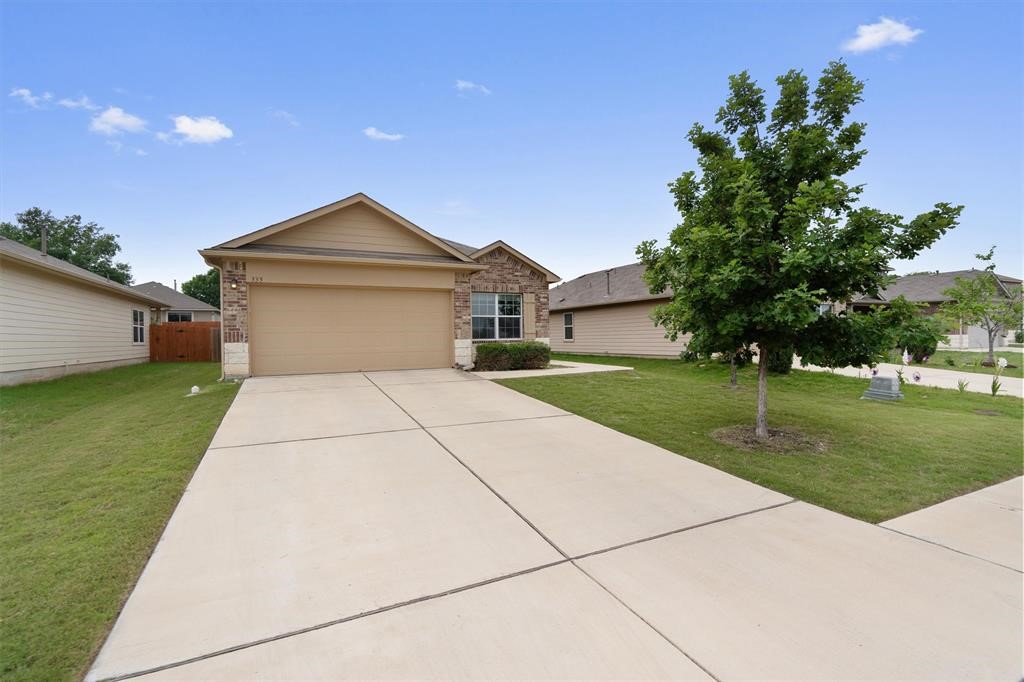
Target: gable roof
(175, 300)
(358, 198)
(33, 257)
(623, 284)
(927, 287)
(551, 277)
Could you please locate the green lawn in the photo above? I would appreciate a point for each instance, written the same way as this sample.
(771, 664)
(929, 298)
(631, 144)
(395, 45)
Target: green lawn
(885, 459)
(969, 361)
(91, 469)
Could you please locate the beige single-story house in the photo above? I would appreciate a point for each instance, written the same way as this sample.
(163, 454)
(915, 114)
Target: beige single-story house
(57, 318)
(608, 312)
(354, 286)
(179, 307)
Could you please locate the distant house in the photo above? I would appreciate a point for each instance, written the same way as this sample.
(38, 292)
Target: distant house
(57, 319)
(179, 307)
(608, 312)
(927, 288)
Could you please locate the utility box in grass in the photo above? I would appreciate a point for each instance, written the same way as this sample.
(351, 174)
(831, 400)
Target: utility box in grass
(883, 388)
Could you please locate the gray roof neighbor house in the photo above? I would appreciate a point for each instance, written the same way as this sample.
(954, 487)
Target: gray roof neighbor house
(171, 298)
(623, 284)
(928, 287)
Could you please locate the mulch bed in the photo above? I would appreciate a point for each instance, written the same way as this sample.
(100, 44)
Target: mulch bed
(780, 441)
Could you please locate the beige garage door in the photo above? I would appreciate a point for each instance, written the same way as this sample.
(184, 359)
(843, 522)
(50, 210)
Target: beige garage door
(304, 330)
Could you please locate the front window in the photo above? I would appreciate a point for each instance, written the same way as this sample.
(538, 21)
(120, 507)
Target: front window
(497, 316)
(824, 309)
(179, 317)
(138, 326)
(567, 326)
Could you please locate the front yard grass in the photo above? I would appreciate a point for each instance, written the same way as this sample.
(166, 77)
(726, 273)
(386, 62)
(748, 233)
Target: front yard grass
(884, 459)
(91, 469)
(969, 361)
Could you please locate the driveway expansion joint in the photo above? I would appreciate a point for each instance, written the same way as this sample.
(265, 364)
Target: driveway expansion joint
(951, 549)
(302, 440)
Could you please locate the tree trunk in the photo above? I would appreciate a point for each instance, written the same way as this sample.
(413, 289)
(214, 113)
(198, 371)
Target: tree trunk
(732, 372)
(762, 393)
(991, 347)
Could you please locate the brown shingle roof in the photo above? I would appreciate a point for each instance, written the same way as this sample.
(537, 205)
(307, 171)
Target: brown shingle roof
(623, 284)
(927, 287)
(175, 300)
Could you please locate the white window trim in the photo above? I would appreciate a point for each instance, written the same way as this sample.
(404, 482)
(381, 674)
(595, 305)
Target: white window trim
(144, 332)
(571, 325)
(496, 316)
(191, 315)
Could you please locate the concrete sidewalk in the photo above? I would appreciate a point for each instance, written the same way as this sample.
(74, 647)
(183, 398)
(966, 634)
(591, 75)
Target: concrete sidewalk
(932, 376)
(411, 525)
(986, 524)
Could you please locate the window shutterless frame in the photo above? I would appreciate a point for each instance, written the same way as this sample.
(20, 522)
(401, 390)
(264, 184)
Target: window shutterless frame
(568, 332)
(179, 317)
(138, 326)
(497, 317)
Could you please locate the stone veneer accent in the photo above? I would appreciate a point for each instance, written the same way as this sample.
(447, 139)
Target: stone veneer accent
(234, 327)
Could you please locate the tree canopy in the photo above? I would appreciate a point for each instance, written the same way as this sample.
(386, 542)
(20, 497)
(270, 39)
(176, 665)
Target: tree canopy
(205, 287)
(86, 245)
(770, 230)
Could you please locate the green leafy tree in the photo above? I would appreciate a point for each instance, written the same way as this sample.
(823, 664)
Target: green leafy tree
(83, 244)
(205, 287)
(770, 231)
(918, 334)
(985, 302)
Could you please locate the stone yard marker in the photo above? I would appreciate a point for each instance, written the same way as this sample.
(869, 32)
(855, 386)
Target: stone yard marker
(883, 388)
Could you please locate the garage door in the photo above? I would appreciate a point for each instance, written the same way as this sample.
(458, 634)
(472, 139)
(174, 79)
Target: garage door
(304, 330)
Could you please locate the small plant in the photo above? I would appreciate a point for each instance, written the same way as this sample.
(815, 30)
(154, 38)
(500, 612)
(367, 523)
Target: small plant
(950, 361)
(1018, 336)
(996, 384)
(961, 385)
(899, 375)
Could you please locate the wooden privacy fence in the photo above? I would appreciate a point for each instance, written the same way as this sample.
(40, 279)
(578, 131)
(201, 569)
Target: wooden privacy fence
(184, 342)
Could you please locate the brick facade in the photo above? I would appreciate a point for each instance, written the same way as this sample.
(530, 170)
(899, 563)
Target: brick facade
(234, 303)
(505, 274)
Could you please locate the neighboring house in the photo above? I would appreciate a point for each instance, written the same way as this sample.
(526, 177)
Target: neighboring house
(608, 312)
(354, 286)
(180, 307)
(927, 288)
(57, 319)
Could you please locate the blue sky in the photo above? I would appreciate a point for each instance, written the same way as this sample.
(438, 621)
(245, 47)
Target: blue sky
(562, 142)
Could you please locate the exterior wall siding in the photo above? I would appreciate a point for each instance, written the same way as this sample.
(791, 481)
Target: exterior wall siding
(50, 326)
(623, 329)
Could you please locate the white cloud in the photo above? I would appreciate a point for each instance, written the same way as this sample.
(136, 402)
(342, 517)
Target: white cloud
(141, 152)
(470, 86)
(196, 130)
(114, 121)
(286, 116)
(82, 102)
(375, 134)
(27, 98)
(882, 34)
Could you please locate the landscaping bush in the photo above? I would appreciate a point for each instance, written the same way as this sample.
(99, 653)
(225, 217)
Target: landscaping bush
(520, 355)
(780, 360)
(920, 336)
(1018, 337)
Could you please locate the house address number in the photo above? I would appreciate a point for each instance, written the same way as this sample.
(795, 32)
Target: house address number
(255, 278)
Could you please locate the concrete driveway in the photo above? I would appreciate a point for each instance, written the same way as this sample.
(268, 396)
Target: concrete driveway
(430, 524)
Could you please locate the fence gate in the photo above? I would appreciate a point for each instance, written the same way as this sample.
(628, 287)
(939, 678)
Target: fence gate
(184, 342)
